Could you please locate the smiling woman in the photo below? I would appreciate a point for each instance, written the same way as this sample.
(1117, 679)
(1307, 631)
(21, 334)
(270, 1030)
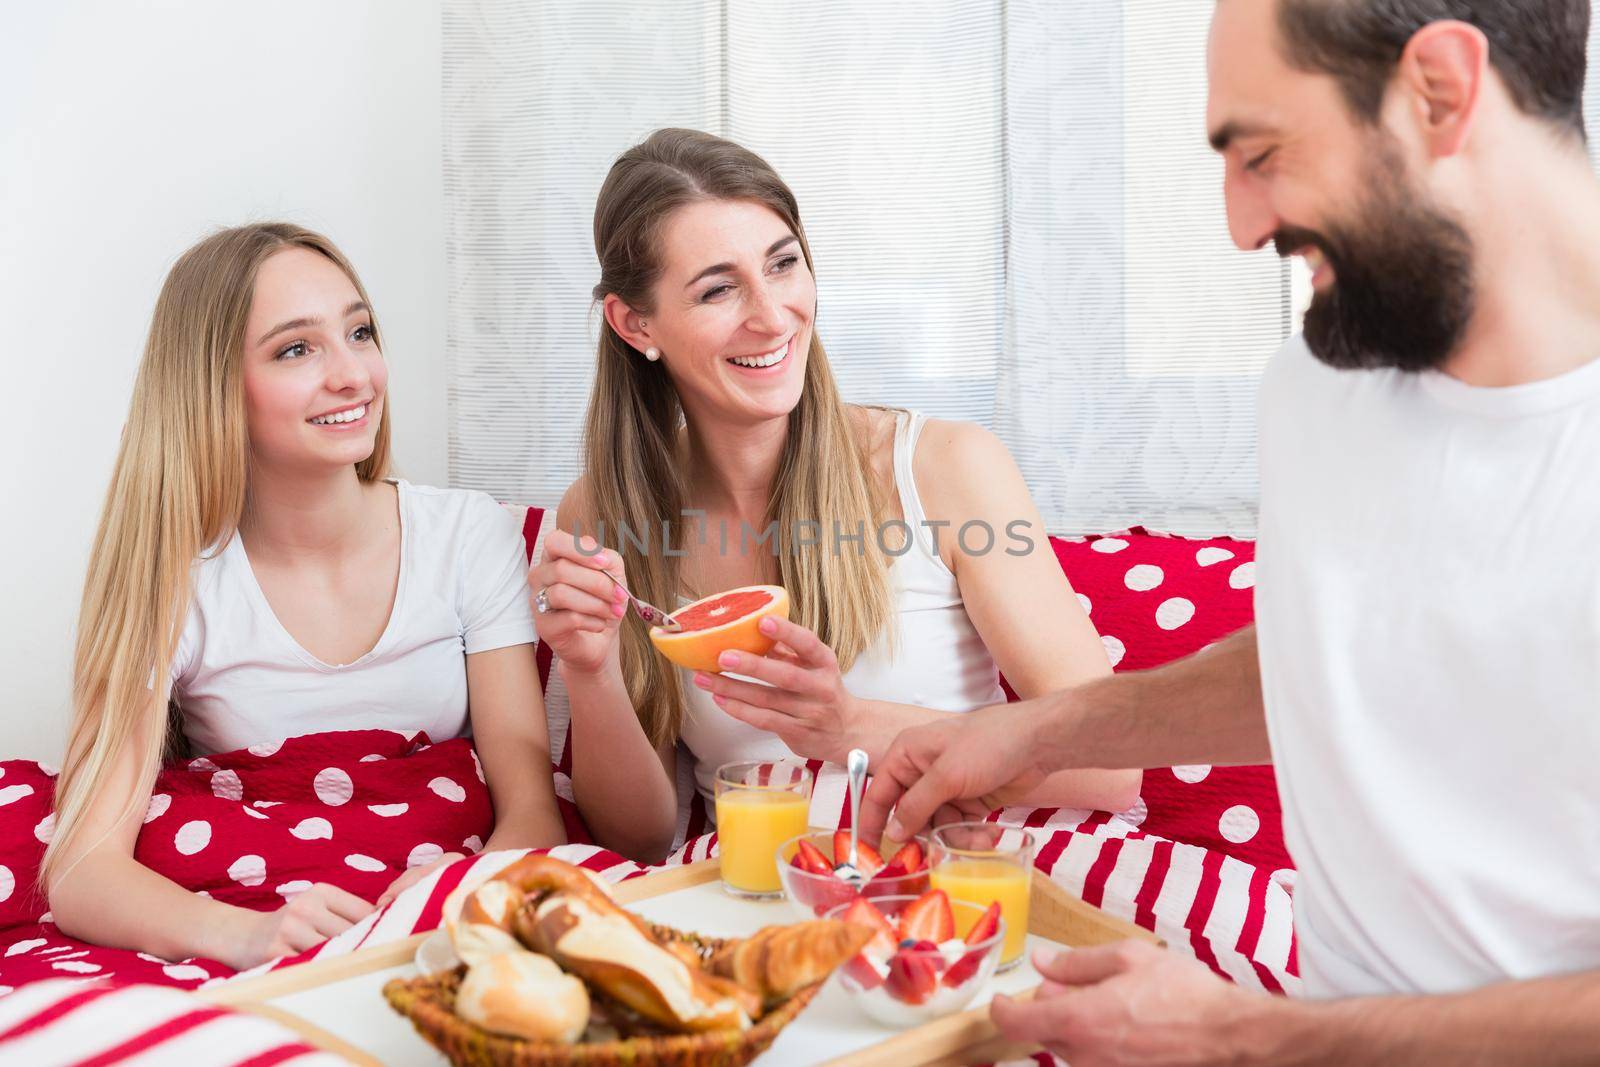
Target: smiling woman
(716, 429)
(256, 577)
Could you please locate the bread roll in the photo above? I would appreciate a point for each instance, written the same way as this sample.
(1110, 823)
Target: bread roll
(478, 920)
(523, 994)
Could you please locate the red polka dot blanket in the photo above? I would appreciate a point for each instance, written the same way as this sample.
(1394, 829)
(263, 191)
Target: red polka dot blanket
(1199, 860)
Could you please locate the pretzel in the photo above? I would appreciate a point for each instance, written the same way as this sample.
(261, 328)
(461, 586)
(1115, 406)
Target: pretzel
(557, 909)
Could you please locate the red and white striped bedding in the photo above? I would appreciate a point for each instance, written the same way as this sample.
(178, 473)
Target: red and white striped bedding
(65, 1022)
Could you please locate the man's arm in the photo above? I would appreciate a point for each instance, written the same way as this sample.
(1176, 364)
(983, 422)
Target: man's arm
(1548, 1021)
(1203, 709)
(1133, 1003)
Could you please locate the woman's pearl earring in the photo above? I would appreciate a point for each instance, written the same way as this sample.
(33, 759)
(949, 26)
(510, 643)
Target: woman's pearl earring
(652, 354)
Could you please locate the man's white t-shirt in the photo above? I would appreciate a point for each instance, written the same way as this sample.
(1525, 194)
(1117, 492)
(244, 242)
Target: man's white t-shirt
(241, 679)
(1429, 626)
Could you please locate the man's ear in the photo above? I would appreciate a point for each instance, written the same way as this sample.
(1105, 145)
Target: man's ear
(628, 324)
(1445, 68)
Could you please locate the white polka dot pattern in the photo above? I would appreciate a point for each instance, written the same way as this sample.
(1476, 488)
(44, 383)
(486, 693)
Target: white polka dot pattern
(225, 785)
(448, 789)
(1239, 824)
(313, 829)
(248, 870)
(13, 793)
(1115, 649)
(192, 837)
(1143, 577)
(333, 787)
(423, 855)
(1174, 613)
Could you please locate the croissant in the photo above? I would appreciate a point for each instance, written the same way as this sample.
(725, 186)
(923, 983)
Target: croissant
(779, 961)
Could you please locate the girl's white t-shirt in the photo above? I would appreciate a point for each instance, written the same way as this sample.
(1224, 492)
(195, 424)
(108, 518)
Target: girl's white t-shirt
(240, 679)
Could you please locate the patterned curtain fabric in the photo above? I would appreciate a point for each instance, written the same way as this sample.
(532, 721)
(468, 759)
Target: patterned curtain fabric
(1014, 213)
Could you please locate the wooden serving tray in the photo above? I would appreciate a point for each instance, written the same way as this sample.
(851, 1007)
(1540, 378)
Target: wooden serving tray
(966, 1037)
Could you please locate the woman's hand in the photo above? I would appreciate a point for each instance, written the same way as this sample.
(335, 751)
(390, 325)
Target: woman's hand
(584, 607)
(417, 874)
(804, 701)
(307, 919)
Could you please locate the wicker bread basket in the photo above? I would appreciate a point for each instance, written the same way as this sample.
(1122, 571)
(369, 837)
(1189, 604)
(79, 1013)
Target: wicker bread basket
(429, 1003)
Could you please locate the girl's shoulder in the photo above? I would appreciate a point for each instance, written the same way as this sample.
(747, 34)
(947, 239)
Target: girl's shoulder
(436, 518)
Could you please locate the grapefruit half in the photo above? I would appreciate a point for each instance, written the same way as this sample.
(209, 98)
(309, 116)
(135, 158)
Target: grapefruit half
(723, 621)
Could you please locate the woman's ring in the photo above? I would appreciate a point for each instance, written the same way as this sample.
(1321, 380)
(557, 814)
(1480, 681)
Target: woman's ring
(541, 601)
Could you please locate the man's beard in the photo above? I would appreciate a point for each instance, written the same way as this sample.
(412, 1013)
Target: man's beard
(1402, 291)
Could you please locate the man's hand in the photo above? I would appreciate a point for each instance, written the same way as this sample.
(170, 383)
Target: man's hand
(961, 767)
(1129, 1003)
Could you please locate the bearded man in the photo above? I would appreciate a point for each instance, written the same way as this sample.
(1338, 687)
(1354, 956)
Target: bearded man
(1425, 668)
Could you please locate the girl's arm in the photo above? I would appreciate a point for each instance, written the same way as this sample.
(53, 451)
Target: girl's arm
(107, 897)
(626, 789)
(1018, 598)
(624, 786)
(513, 743)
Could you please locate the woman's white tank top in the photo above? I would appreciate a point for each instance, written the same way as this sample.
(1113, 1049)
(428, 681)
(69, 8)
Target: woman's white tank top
(939, 660)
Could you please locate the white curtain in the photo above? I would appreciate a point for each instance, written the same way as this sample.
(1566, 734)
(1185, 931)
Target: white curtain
(1015, 217)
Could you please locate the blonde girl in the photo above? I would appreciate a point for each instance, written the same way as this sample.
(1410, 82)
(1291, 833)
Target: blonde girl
(255, 576)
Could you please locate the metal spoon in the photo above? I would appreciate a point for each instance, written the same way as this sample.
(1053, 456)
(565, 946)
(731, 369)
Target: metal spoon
(856, 769)
(648, 612)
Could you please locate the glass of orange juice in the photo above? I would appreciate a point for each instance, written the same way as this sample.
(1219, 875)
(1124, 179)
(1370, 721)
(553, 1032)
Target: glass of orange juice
(983, 862)
(760, 805)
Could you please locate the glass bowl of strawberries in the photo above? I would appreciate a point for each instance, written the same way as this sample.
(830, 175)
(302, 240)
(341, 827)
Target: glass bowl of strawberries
(916, 968)
(807, 866)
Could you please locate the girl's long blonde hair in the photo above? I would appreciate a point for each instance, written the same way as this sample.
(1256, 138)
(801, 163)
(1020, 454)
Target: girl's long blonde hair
(632, 473)
(178, 488)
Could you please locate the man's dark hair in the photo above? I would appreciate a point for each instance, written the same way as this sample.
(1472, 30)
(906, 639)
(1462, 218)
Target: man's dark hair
(1536, 46)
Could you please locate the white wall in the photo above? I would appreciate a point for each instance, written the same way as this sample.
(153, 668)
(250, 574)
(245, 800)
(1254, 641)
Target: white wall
(127, 131)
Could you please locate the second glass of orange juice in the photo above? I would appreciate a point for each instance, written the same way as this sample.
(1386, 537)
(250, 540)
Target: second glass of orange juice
(983, 862)
(760, 805)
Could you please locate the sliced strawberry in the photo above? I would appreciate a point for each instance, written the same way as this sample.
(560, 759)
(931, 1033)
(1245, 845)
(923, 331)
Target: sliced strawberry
(822, 895)
(987, 926)
(963, 969)
(809, 857)
(871, 861)
(913, 976)
(883, 942)
(862, 972)
(909, 858)
(928, 948)
(928, 918)
(894, 880)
